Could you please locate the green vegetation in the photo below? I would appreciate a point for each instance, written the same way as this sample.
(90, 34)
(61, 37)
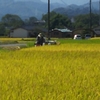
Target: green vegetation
(57, 20)
(83, 21)
(80, 21)
(30, 41)
(83, 41)
(13, 21)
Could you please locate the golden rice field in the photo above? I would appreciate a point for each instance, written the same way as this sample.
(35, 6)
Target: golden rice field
(60, 72)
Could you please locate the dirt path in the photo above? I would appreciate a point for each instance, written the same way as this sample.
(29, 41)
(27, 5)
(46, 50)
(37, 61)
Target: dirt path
(13, 45)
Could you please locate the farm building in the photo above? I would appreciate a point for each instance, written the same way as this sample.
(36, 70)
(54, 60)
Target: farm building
(19, 33)
(61, 33)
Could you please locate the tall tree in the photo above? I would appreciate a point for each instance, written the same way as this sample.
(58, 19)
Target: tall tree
(12, 20)
(2, 29)
(60, 21)
(57, 20)
(32, 20)
(83, 21)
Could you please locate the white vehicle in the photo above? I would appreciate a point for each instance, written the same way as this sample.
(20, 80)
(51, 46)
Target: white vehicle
(87, 36)
(77, 36)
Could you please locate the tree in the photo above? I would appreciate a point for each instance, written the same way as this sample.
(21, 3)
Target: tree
(12, 20)
(57, 20)
(83, 21)
(45, 17)
(60, 21)
(30, 21)
(2, 29)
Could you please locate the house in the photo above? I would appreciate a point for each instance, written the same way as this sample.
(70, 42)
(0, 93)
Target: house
(25, 32)
(97, 31)
(61, 33)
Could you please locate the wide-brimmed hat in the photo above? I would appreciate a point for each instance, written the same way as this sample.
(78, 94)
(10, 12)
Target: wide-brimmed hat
(39, 34)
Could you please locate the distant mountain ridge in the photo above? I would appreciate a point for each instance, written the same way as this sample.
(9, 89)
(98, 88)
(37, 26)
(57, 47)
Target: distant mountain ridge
(28, 8)
(25, 9)
(74, 10)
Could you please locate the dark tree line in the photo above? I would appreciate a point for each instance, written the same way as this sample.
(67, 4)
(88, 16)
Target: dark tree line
(83, 21)
(80, 21)
(56, 21)
(13, 21)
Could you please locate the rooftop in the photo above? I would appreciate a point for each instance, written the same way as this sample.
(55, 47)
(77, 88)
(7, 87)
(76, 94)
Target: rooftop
(63, 30)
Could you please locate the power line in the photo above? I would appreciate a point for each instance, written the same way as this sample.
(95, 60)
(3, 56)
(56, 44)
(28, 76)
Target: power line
(63, 2)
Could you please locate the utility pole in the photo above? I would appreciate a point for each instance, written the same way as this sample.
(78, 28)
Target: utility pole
(48, 19)
(99, 12)
(90, 16)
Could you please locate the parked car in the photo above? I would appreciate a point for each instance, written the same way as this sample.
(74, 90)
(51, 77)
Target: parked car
(77, 36)
(87, 36)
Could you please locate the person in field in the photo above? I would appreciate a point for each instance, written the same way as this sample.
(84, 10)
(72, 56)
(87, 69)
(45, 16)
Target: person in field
(40, 39)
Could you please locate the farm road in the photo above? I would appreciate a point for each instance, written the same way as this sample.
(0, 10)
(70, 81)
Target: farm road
(13, 45)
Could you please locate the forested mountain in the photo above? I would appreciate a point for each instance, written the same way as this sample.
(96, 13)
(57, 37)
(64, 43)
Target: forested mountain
(74, 10)
(25, 8)
(36, 8)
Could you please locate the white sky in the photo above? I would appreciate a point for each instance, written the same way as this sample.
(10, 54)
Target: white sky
(78, 2)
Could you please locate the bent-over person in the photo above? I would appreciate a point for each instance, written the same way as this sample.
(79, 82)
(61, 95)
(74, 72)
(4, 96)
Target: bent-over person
(40, 39)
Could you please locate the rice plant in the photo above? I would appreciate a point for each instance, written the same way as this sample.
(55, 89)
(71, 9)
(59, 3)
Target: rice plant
(60, 72)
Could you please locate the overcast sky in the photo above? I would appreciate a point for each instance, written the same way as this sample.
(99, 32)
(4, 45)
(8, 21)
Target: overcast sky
(78, 2)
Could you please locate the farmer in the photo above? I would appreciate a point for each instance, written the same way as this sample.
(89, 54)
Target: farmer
(40, 39)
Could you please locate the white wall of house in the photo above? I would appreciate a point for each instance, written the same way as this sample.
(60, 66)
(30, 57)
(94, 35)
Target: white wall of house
(97, 31)
(19, 33)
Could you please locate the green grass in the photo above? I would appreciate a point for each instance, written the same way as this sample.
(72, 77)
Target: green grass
(88, 41)
(30, 41)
